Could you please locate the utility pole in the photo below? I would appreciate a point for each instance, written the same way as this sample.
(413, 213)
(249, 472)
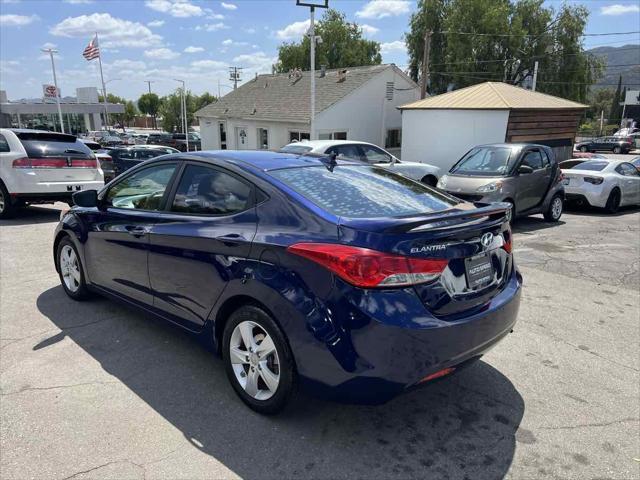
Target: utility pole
(149, 82)
(426, 54)
(51, 51)
(234, 75)
(601, 122)
(535, 76)
(183, 108)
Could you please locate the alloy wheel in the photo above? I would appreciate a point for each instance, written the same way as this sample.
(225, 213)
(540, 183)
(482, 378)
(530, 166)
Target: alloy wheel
(254, 360)
(70, 268)
(556, 208)
(2, 204)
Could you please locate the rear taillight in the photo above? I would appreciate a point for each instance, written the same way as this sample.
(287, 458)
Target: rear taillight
(507, 242)
(85, 163)
(26, 162)
(594, 180)
(367, 268)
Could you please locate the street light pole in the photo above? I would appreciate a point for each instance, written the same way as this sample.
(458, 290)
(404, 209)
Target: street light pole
(51, 51)
(183, 108)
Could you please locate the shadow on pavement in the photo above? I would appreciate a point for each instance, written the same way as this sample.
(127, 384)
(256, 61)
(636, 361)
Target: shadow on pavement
(532, 224)
(577, 209)
(461, 427)
(31, 215)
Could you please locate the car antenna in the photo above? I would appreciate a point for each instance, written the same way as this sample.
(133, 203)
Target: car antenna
(330, 161)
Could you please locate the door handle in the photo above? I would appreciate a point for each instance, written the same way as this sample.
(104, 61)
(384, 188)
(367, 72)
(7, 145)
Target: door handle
(136, 231)
(231, 239)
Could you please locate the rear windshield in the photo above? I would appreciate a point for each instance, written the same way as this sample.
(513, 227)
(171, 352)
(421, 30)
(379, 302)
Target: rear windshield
(47, 144)
(296, 149)
(485, 161)
(595, 166)
(361, 191)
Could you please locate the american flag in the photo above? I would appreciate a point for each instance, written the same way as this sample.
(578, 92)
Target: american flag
(92, 51)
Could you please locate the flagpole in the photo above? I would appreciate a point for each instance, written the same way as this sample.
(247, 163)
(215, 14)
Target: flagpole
(104, 87)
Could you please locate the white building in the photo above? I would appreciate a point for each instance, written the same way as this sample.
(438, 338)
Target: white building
(440, 129)
(272, 110)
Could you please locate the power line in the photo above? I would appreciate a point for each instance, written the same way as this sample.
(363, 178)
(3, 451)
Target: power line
(455, 74)
(449, 32)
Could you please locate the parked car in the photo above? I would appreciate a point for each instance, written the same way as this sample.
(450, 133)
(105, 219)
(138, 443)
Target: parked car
(525, 175)
(635, 162)
(110, 141)
(140, 138)
(587, 155)
(175, 140)
(608, 144)
(341, 277)
(605, 184)
(43, 167)
(369, 153)
(104, 158)
(126, 157)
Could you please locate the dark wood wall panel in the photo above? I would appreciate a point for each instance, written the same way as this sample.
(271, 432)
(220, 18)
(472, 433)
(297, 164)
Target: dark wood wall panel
(539, 125)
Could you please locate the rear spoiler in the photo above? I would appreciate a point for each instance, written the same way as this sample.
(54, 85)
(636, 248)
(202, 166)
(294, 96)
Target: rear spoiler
(447, 219)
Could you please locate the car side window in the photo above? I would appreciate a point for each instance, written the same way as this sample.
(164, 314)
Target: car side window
(545, 159)
(627, 170)
(147, 154)
(374, 154)
(209, 191)
(126, 155)
(350, 151)
(142, 190)
(532, 159)
(4, 145)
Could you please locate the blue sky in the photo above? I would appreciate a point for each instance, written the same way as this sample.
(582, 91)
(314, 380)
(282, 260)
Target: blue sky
(194, 40)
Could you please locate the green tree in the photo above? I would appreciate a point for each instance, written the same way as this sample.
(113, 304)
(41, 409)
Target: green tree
(599, 100)
(342, 45)
(171, 111)
(203, 100)
(500, 40)
(615, 111)
(149, 104)
(130, 111)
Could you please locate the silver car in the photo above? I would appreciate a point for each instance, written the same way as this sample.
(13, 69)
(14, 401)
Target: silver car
(525, 175)
(369, 153)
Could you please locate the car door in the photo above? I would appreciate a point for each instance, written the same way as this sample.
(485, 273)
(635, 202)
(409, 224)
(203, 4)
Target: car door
(531, 187)
(630, 184)
(201, 242)
(117, 243)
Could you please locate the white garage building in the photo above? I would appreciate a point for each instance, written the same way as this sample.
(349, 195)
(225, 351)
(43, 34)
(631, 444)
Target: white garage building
(439, 130)
(270, 111)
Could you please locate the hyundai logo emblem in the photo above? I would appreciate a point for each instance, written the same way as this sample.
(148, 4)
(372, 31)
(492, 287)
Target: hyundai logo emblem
(487, 239)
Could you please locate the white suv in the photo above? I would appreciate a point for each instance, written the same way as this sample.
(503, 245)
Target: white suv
(43, 167)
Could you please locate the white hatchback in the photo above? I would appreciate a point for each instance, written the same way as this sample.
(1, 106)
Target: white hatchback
(43, 167)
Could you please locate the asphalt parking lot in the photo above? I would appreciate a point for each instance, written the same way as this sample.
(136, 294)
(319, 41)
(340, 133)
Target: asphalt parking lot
(95, 390)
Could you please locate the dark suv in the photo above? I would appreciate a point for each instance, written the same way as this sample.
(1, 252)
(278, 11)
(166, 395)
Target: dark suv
(525, 175)
(175, 140)
(606, 144)
(126, 157)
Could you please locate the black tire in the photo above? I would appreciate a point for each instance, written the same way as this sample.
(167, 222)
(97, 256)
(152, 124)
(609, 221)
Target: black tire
(82, 292)
(7, 208)
(584, 149)
(617, 150)
(554, 212)
(287, 383)
(613, 202)
(430, 180)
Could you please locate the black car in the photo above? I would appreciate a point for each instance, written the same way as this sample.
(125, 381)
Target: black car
(126, 157)
(104, 157)
(606, 144)
(175, 140)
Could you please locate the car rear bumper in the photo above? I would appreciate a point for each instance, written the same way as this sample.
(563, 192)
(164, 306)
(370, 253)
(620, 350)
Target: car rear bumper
(383, 343)
(594, 195)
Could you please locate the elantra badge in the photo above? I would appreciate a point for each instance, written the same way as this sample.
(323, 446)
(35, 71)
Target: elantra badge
(428, 248)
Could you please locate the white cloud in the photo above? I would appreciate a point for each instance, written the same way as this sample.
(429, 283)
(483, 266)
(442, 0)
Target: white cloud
(10, 67)
(78, 2)
(192, 49)
(49, 45)
(618, 9)
(112, 31)
(384, 8)
(155, 23)
(228, 6)
(10, 20)
(257, 61)
(228, 42)
(161, 54)
(393, 47)
(215, 16)
(212, 27)
(176, 8)
(208, 65)
(368, 30)
(293, 31)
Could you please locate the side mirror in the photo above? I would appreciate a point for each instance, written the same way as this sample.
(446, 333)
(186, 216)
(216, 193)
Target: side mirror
(86, 198)
(525, 169)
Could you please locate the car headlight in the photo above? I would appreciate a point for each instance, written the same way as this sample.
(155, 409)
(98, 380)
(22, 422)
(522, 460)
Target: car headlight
(490, 187)
(442, 183)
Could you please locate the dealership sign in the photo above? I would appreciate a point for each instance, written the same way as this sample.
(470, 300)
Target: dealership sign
(50, 91)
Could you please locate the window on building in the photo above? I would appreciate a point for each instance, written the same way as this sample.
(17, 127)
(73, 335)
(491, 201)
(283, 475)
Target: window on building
(223, 135)
(394, 138)
(297, 136)
(332, 136)
(263, 139)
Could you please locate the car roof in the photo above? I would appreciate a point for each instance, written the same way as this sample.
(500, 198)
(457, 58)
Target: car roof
(315, 144)
(266, 160)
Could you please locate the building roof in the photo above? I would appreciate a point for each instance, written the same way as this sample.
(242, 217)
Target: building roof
(281, 98)
(492, 96)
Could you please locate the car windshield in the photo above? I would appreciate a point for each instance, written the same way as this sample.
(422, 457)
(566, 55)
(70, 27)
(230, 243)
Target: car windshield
(296, 149)
(485, 161)
(47, 144)
(595, 166)
(362, 191)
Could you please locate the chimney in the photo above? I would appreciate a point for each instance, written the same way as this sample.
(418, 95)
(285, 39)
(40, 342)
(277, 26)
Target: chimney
(323, 71)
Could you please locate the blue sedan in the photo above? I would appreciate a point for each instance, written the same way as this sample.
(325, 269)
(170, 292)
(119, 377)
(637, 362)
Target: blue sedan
(303, 271)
